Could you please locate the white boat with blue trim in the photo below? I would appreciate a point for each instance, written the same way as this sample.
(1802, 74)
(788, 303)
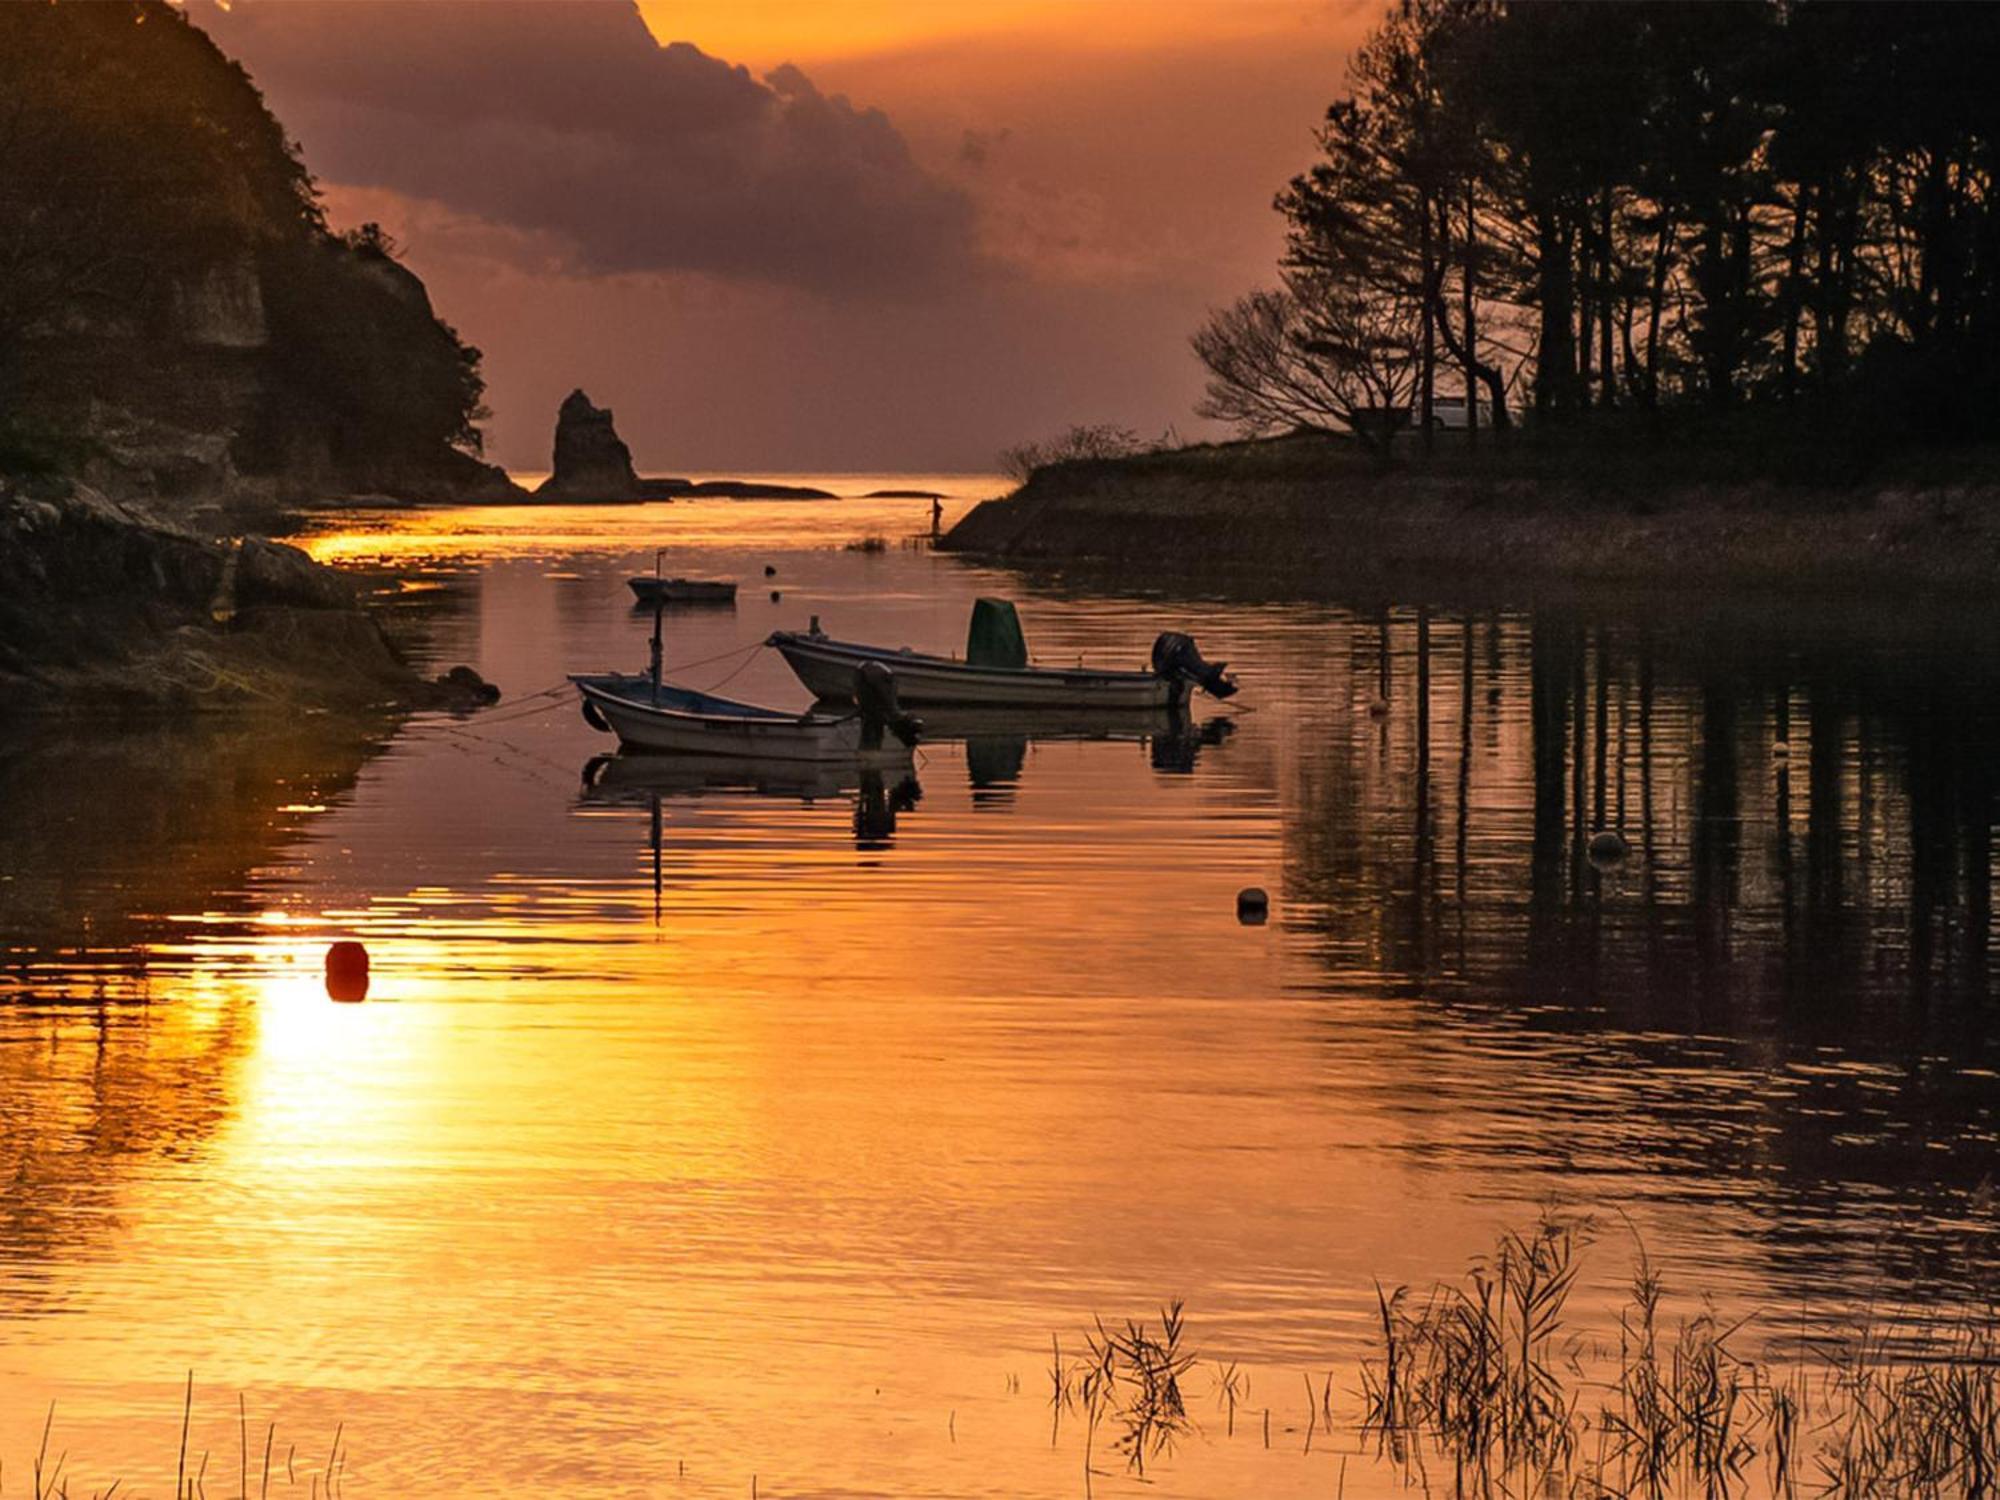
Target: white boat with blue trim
(660, 718)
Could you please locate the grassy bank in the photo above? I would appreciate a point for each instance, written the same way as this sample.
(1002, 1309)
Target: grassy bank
(1687, 512)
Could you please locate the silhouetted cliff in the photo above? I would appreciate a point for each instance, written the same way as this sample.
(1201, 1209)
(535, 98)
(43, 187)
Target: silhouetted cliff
(178, 323)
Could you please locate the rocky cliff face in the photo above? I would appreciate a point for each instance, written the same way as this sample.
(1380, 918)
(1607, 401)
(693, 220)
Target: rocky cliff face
(591, 460)
(195, 334)
(204, 410)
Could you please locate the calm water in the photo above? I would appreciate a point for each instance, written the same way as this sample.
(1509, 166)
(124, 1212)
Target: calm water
(699, 1129)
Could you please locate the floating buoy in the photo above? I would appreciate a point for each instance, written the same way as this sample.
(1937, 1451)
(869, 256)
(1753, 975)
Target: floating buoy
(1253, 906)
(1608, 847)
(776, 596)
(770, 571)
(347, 972)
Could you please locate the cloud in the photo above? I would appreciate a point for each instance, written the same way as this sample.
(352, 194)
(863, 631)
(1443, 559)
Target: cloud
(564, 119)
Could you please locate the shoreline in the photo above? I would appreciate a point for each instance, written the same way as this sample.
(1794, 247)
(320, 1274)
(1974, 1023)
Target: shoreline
(108, 608)
(1305, 516)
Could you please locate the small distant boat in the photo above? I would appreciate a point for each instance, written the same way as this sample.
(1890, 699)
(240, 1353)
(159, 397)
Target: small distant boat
(677, 720)
(995, 671)
(651, 590)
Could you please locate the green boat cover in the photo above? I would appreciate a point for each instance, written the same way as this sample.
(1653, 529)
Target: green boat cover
(995, 639)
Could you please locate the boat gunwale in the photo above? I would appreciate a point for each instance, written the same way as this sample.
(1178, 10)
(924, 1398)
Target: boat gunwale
(736, 715)
(781, 640)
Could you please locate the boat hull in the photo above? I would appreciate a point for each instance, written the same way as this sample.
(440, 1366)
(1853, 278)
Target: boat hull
(747, 733)
(828, 667)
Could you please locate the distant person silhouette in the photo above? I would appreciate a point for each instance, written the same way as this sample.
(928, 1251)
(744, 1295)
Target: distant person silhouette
(937, 515)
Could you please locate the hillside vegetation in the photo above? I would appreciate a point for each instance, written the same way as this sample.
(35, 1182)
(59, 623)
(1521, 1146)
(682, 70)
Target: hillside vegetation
(178, 321)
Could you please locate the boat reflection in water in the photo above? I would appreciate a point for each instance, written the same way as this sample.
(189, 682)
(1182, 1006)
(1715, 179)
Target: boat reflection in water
(881, 787)
(996, 739)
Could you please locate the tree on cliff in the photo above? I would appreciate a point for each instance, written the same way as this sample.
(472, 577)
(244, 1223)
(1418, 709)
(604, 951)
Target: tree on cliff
(136, 162)
(130, 151)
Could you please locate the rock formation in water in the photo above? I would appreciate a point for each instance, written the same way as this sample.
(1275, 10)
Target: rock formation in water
(592, 463)
(591, 460)
(751, 489)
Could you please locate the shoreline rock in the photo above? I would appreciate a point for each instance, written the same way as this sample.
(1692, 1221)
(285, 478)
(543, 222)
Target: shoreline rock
(107, 607)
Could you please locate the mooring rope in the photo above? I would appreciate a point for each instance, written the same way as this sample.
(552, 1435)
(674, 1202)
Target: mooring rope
(732, 672)
(688, 666)
(528, 706)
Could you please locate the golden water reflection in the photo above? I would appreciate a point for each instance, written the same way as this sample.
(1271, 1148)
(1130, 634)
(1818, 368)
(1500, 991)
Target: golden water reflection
(704, 1119)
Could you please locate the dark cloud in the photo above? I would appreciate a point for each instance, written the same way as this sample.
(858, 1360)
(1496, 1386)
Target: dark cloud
(565, 118)
(975, 147)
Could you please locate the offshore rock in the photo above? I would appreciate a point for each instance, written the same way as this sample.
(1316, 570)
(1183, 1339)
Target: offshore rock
(591, 460)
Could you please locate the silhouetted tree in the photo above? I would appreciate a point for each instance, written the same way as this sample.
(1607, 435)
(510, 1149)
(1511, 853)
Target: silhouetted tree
(1310, 356)
(1680, 203)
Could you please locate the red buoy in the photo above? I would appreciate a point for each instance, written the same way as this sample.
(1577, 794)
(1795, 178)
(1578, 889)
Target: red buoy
(347, 972)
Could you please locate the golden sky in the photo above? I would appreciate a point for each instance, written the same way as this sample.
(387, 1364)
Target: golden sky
(764, 33)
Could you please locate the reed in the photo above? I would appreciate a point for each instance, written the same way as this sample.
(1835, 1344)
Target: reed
(1487, 1379)
(49, 1481)
(1131, 1375)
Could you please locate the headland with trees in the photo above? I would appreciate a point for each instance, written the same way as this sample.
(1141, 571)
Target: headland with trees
(187, 346)
(1605, 289)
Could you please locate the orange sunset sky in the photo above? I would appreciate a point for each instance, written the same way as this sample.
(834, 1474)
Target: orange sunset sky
(787, 235)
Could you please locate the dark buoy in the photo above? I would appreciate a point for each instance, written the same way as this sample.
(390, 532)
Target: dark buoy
(1608, 847)
(770, 571)
(776, 596)
(1253, 906)
(347, 972)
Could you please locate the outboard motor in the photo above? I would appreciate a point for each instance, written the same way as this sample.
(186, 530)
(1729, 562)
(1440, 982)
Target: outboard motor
(875, 694)
(1176, 658)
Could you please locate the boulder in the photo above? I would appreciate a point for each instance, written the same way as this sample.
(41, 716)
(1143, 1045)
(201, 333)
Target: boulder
(591, 460)
(274, 573)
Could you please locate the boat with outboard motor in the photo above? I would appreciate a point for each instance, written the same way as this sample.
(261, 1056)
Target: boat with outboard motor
(995, 671)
